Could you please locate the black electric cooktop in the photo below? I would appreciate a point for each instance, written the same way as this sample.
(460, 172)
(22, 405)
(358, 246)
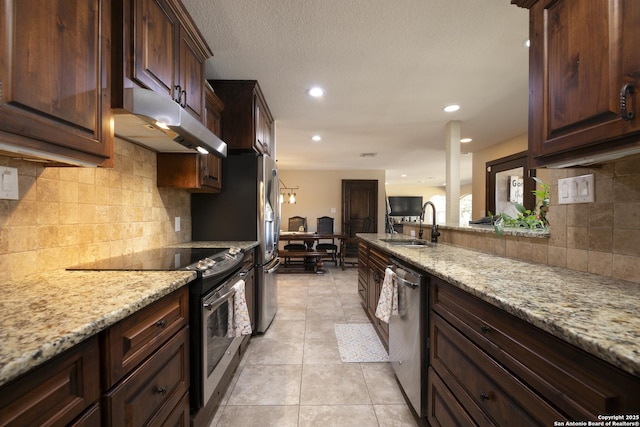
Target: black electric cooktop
(162, 259)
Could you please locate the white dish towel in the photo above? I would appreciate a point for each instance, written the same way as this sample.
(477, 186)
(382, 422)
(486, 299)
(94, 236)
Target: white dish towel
(388, 303)
(239, 321)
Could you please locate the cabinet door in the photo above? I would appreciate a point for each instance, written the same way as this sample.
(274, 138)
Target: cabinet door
(213, 111)
(582, 54)
(191, 70)
(156, 30)
(211, 172)
(263, 128)
(54, 59)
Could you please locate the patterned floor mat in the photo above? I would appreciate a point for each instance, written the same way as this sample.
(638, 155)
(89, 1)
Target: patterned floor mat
(359, 343)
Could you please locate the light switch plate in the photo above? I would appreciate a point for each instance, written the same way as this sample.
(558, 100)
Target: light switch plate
(8, 183)
(177, 223)
(577, 189)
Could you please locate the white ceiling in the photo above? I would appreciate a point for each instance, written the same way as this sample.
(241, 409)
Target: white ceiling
(388, 68)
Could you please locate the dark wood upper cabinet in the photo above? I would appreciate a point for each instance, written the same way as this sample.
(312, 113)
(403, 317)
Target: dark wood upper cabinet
(157, 46)
(54, 80)
(583, 61)
(201, 173)
(247, 123)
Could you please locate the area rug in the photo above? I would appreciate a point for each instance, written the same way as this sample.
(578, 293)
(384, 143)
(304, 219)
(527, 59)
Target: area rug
(359, 343)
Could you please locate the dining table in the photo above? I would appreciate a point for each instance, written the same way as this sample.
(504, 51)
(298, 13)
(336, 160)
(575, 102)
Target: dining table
(313, 258)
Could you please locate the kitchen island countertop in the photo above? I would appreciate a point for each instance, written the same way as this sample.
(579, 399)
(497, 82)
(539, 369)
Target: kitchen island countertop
(43, 315)
(595, 313)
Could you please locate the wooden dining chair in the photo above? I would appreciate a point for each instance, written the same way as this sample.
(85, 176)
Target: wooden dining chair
(295, 222)
(325, 226)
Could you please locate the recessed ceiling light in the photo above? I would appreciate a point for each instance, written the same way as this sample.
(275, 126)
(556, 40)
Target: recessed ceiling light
(404, 175)
(316, 138)
(316, 92)
(451, 108)
(465, 140)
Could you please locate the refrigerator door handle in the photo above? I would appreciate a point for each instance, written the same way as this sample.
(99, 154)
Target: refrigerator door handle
(272, 266)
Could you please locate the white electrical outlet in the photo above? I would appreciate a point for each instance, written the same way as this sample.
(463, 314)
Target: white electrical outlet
(577, 189)
(8, 183)
(333, 210)
(177, 223)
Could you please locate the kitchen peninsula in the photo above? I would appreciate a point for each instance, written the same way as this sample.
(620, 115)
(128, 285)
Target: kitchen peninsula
(533, 323)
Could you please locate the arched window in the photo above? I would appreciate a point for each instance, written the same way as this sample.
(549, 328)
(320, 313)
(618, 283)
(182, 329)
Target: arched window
(440, 203)
(465, 208)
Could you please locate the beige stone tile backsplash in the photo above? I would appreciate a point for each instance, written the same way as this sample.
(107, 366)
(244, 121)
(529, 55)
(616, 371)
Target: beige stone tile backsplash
(66, 216)
(602, 237)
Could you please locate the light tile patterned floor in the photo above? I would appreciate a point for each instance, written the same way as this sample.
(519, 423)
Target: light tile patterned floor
(293, 375)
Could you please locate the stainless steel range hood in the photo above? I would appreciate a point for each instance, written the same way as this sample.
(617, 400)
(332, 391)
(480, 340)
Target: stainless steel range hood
(161, 124)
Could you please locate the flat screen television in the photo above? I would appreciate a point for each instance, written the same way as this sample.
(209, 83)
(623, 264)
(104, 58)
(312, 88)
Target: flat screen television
(405, 205)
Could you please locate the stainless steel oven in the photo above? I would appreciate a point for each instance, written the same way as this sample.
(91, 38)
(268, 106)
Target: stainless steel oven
(218, 348)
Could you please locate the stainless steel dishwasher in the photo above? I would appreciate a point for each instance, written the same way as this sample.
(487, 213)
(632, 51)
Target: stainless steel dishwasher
(408, 333)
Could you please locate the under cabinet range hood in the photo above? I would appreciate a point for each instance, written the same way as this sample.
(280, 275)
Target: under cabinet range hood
(161, 124)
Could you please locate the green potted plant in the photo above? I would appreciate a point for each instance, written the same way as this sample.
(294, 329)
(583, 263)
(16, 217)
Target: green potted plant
(526, 218)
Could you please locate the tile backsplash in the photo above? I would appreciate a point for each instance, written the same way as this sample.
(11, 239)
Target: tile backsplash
(69, 215)
(602, 237)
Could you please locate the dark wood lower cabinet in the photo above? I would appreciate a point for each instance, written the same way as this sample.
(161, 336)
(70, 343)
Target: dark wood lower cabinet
(371, 267)
(144, 362)
(443, 408)
(492, 368)
(482, 385)
(151, 392)
(90, 418)
(56, 393)
(146, 365)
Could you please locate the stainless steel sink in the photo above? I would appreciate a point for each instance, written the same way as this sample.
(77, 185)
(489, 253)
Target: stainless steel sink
(412, 243)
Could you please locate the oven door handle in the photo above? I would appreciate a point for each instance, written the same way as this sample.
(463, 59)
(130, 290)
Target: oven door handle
(219, 301)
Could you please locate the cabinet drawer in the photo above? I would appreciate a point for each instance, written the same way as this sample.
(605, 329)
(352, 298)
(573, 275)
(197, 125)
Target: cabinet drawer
(55, 393)
(379, 260)
(482, 382)
(131, 340)
(152, 391)
(578, 383)
(443, 408)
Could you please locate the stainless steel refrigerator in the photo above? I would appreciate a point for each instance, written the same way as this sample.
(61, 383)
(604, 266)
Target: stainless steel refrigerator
(248, 208)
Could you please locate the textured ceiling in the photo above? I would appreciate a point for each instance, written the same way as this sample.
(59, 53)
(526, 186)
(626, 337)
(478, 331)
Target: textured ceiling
(388, 68)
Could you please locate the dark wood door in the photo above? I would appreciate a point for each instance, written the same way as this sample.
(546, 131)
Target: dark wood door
(582, 54)
(359, 206)
(359, 211)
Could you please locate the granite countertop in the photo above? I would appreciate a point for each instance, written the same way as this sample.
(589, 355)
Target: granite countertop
(595, 313)
(486, 229)
(43, 315)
